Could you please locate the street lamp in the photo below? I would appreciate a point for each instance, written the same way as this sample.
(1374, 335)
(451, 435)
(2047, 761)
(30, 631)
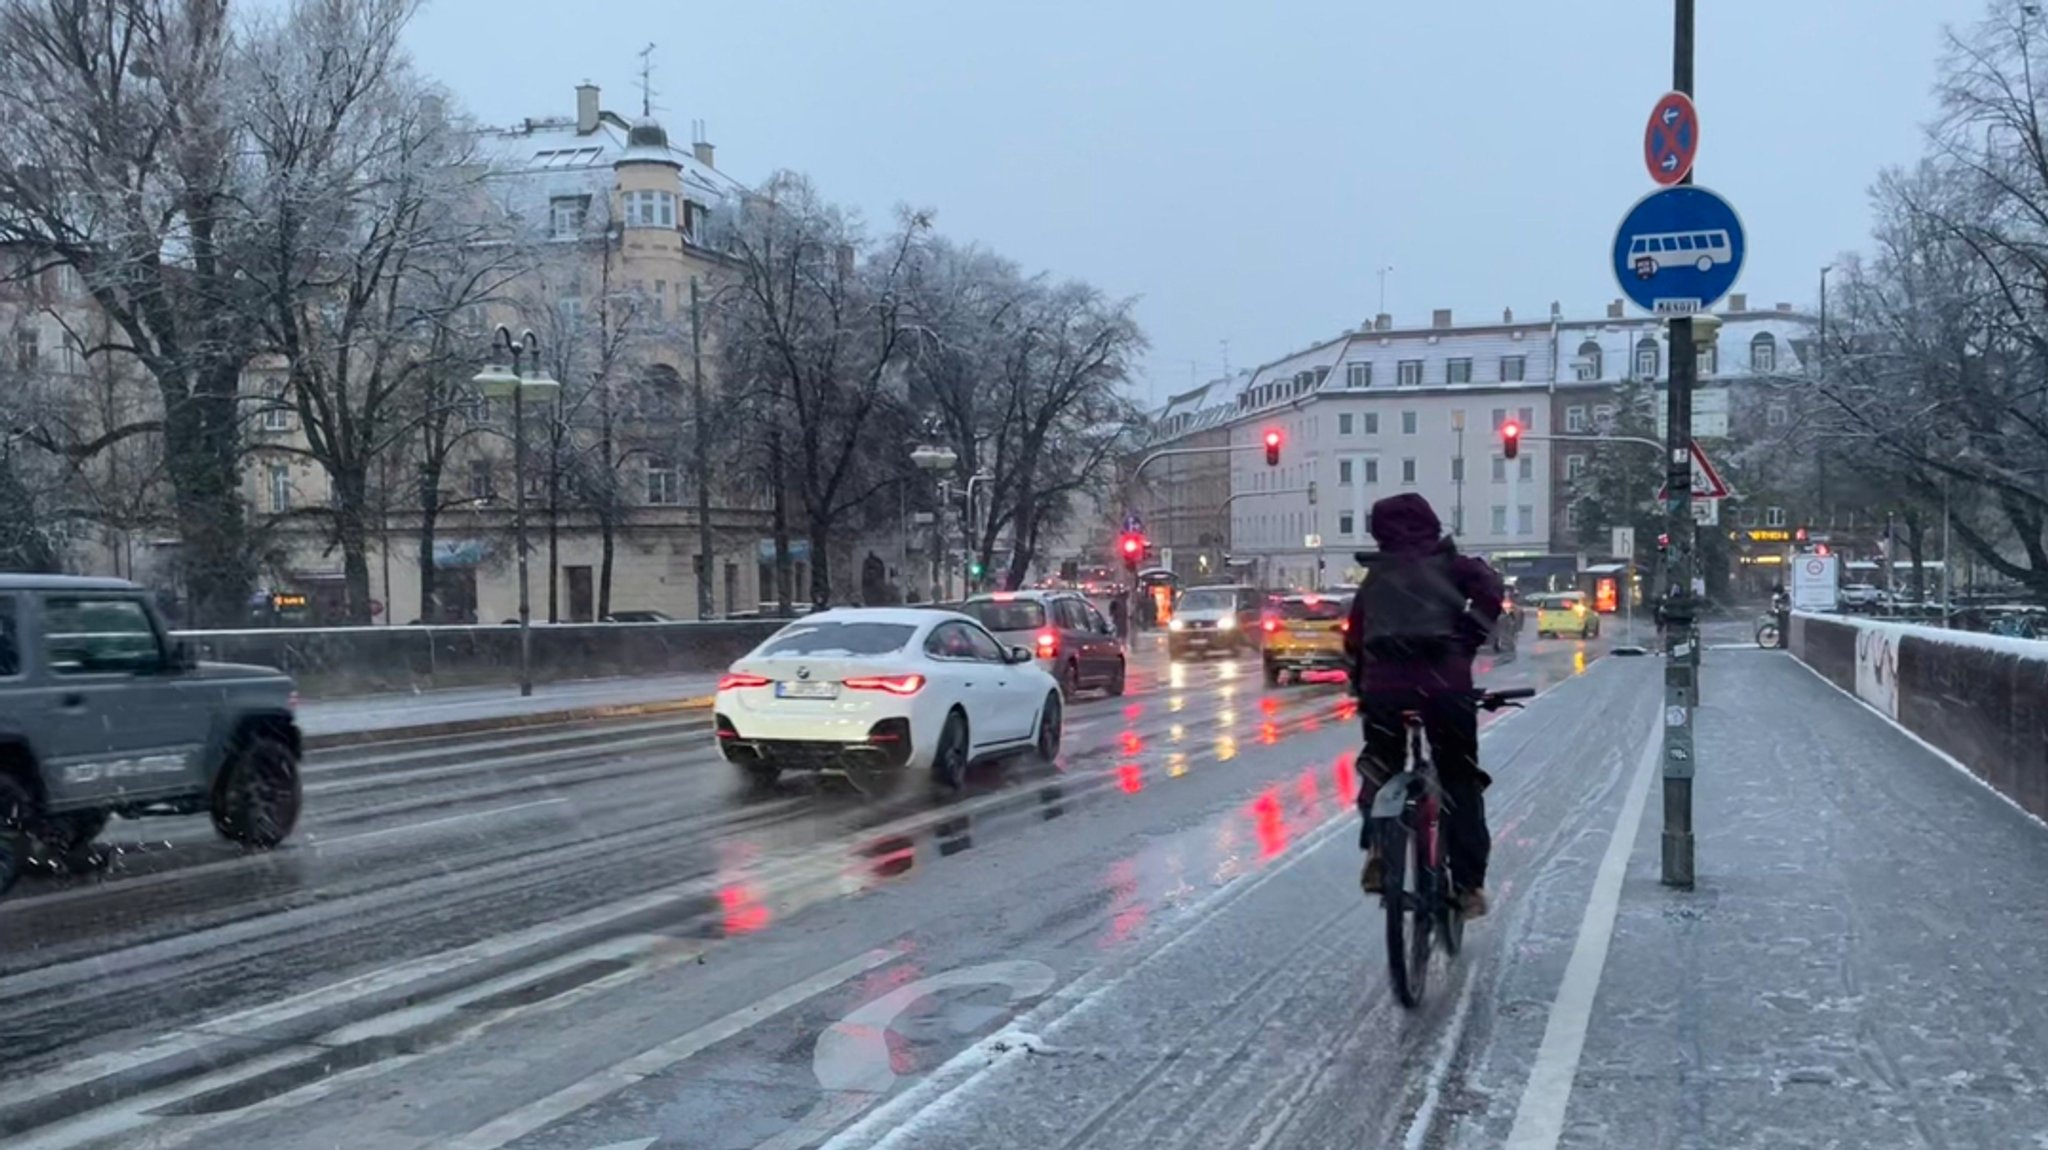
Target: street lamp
(936, 460)
(499, 380)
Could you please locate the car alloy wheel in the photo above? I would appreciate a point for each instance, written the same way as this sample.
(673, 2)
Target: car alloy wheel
(949, 761)
(17, 807)
(256, 801)
(1051, 728)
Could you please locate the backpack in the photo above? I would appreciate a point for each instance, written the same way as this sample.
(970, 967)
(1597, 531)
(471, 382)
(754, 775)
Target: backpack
(1412, 607)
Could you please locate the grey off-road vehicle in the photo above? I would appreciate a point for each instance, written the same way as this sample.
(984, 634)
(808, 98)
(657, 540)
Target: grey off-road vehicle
(102, 713)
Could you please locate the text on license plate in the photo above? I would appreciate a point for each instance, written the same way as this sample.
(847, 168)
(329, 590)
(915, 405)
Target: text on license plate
(807, 690)
(1308, 636)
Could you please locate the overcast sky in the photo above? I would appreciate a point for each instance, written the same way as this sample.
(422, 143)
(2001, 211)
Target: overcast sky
(1245, 169)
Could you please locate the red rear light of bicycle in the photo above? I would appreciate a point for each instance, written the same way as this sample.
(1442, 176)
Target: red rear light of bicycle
(891, 684)
(735, 680)
(1048, 644)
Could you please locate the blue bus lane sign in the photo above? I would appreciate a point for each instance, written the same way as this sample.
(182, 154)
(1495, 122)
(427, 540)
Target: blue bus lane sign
(1678, 250)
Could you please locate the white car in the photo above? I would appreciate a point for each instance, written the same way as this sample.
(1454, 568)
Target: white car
(878, 694)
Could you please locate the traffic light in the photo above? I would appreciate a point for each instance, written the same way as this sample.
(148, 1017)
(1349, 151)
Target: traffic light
(1132, 547)
(1273, 447)
(1511, 439)
(974, 570)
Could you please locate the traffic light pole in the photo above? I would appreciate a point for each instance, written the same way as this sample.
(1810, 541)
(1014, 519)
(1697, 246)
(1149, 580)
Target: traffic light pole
(1131, 483)
(1681, 660)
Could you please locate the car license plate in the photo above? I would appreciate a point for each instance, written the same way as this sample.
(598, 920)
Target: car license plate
(1307, 636)
(807, 690)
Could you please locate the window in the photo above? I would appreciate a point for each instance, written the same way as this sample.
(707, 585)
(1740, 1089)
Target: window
(1410, 373)
(1574, 419)
(1646, 358)
(1763, 353)
(1514, 368)
(280, 488)
(27, 350)
(1500, 469)
(10, 644)
(1500, 416)
(1571, 517)
(1527, 418)
(1574, 466)
(660, 301)
(1458, 370)
(1587, 365)
(83, 636)
(1706, 362)
(1344, 472)
(1528, 468)
(277, 412)
(1357, 375)
(1372, 471)
(1774, 517)
(825, 638)
(566, 215)
(480, 479)
(476, 406)
(1347, 525)
(1407, 423)
(73, 353)
(1603, 417)
(1746, 517)
(1344, 423)
(650, 209)
(1018, 615)
(1500, 519)
(68, 283)
(662, 488)
(1408, 472)
(1776, 415)
(1525, 520)
(1457, 469)
(1372, 423)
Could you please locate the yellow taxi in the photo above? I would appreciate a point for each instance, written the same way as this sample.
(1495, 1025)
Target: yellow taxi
(1568, 614)
(1303, 633)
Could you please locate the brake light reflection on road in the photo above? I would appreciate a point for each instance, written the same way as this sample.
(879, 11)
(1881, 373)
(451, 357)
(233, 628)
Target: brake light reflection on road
(741, 910)
(1130, 742)
(1269, 822)
(1345, 774)
(1130, 778)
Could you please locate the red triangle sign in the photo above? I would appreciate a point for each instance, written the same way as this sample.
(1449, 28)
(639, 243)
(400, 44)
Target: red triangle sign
(1706, 482)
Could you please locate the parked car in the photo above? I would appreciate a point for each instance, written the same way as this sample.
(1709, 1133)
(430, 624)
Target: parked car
(102, 713)
(1068, 635)
(881, 694)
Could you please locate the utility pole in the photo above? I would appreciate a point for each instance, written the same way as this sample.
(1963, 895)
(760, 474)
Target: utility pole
(702, 447)
(1681, 668)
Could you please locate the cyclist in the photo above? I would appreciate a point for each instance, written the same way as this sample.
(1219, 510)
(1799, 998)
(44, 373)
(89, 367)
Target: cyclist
(1416, 624)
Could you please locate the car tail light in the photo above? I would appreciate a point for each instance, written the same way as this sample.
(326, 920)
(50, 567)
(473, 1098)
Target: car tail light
(1270, 624)
(1578, 608)
(1344, 625)
(892, 684)
(1048, 644)
(740, 679)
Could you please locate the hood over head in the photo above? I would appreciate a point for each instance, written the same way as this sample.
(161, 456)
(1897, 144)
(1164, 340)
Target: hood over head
(1405, 522)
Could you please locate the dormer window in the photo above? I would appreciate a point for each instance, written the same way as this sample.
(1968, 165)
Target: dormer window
(650, 209)
(566, 215)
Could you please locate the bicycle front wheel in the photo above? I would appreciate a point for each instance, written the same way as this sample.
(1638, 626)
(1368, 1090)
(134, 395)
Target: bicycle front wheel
(1408, 916)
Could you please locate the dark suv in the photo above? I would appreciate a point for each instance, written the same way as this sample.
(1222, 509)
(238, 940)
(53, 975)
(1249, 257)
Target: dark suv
(102, 713)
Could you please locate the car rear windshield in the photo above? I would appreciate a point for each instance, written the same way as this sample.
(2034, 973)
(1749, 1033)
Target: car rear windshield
(828, 638)
(1321, 609)
(1018, 615)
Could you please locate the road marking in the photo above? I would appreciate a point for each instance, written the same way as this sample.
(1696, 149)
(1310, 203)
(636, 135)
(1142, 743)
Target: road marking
(1440, 1066)
(525, 1120)
(1539, 1118)
(408, 828)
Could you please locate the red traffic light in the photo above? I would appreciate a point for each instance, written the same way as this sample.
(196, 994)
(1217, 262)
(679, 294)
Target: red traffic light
(1273, 447)
(1511, 439)
(1132, 547)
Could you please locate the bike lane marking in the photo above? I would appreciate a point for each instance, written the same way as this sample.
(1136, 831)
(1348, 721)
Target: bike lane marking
(1539, 1117)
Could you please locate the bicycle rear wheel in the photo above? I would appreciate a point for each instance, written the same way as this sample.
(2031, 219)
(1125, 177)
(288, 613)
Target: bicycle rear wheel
(1406, 901)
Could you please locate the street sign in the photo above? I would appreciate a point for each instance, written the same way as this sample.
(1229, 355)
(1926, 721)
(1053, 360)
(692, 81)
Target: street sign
(1816, 583)
(1672, 138)
(1706, 512)
(1706, 482)
(1312, 542)
(1624, 541)
(1134, 524)
(1678, 250)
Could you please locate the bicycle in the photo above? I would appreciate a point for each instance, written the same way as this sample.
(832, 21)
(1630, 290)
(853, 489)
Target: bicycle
(1767, 630)
(1406, 815)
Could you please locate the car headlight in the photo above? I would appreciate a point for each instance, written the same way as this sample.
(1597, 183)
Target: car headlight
(1176, 624)
(1227, 623)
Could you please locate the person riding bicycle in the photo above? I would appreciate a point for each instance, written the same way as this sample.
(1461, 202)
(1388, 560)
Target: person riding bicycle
(1416, 623)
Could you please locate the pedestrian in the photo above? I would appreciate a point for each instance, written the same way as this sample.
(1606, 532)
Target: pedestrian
(1415, 627)
(1120, 617)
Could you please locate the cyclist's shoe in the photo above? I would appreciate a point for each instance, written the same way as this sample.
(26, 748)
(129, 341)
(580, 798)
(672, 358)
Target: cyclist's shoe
(1472, 902)
(1372, 880)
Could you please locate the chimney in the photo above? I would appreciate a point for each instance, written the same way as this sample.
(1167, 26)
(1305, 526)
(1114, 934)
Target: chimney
(586, 108)
(1507, 315)
(1614, 310)
(1383, 322)
(1738, 302)
(703, 150)
(1556, 310)
(1441, 317)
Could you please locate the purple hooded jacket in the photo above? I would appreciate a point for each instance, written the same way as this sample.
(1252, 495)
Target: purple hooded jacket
(1407, 524)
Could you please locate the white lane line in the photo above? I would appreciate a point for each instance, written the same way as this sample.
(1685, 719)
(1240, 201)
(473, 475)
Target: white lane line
(534, 1115)
(409, 828)
(1539, 1118)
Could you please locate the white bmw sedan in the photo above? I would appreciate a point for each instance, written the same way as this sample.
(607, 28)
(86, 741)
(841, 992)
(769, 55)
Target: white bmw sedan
(877, 694)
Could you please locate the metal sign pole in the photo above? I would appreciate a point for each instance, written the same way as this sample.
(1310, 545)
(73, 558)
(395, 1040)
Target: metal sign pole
(1680, 667)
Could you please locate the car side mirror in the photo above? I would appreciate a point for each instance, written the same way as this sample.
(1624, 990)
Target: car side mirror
(1018, 655)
